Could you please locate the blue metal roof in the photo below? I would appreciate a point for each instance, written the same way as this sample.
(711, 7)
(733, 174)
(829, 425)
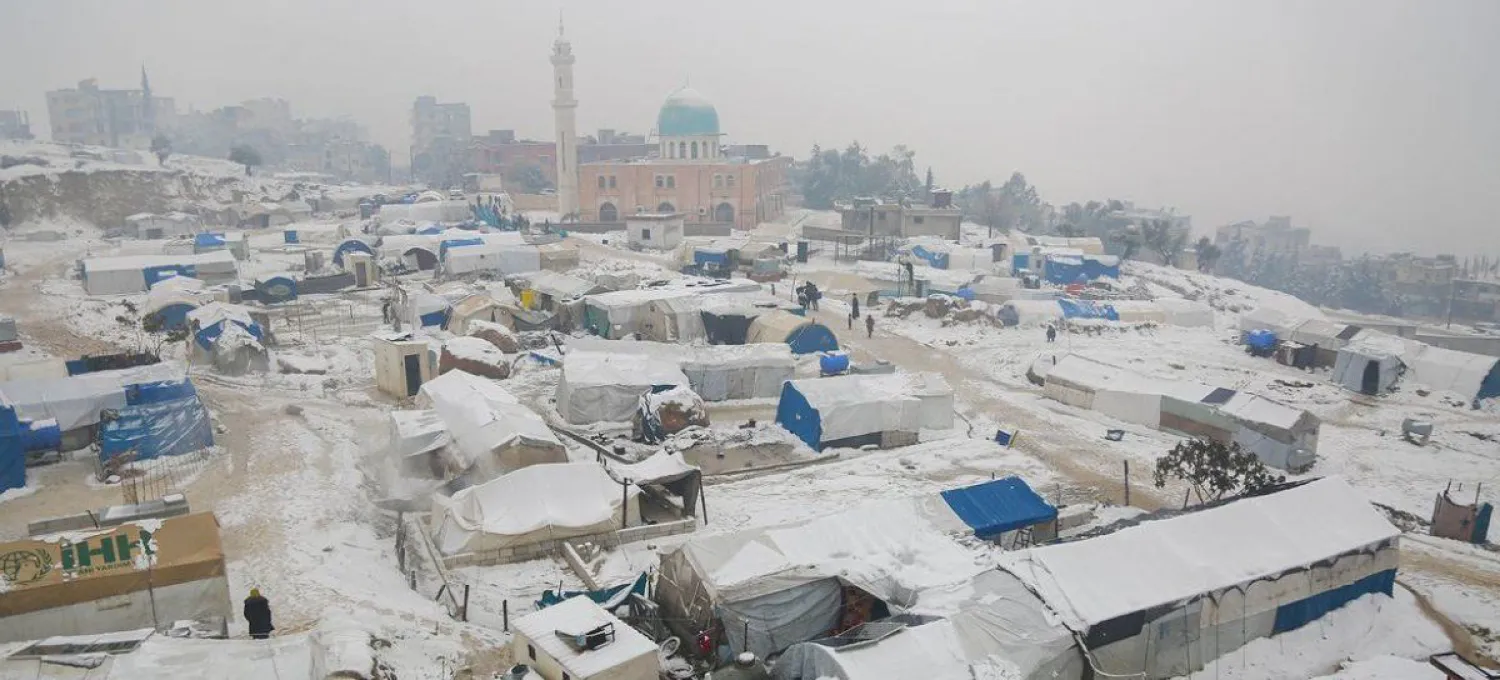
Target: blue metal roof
(995, 507)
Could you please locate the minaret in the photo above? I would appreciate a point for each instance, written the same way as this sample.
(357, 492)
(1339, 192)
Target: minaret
(148, 106)
(563, 108)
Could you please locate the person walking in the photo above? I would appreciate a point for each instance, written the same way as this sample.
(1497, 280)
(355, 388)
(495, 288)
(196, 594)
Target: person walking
(1051, 333)
(869, 325)
(258, 615)
(854, 302)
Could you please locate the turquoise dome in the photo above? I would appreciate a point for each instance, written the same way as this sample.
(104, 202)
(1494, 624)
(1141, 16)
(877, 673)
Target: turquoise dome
(687, 113)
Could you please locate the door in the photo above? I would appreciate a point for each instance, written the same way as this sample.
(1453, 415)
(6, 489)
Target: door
(413, 374)
(1370, 384)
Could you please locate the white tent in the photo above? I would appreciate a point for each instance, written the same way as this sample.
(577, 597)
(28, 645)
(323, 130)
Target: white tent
(492, 432)
(1030, 312)
(1139, 311)
(604, 387)
(1461, 373)
(417, 432)
(1271, 319)
(136, 273)
(535, 504)
(851, 410)
(623, 312)
(1370, 363)
(493, 258)
(1187, 313)
(1164, 596)
(76, 401)
(675, 319)
(426, 212)
(715, 372)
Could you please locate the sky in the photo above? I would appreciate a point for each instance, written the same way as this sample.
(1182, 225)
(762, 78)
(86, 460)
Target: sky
(1374, 122)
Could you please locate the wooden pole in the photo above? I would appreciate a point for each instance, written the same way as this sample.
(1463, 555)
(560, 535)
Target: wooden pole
(505, 614)
(624, 503)
(1127, 483)
(465, 609)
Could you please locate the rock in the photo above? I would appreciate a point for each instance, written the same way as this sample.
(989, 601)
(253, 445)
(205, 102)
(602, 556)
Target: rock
(292, 410)
(937, 306)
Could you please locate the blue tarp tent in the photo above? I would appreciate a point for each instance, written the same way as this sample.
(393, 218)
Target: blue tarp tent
(456, 243)
(995, 507)
(1261, 340)
(159, 391)
(798, 416)
(717, 257)
(352, 245)
(155, 275)
(1020, 261)
(40, 435)
(211, 319)
(12, 453)
(608, 598)
(1064, 270)
(164, 428)
(812, 337)
(430, 230)
(275, 289)
(1095, 268)
(803, 335)
(207, 240)
(174, 315)
(935, 259)
(1087, 309)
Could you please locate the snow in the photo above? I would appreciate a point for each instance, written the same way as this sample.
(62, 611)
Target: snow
(475, 349)
(576, 616)
(1386, 668)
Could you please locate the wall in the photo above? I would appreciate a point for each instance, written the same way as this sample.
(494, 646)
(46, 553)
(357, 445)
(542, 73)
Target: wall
(532, 551)
(756, 195)
(193, 600)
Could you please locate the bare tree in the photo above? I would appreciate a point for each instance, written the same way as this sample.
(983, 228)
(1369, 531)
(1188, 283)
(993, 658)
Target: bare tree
(1214, 470)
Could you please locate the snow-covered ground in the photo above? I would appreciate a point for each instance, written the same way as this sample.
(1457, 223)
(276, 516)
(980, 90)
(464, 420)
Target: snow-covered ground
(295, 493)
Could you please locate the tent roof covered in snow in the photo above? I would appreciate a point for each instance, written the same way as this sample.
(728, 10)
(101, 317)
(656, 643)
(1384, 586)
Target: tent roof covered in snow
(825, 410)
(606, 387)
(561, 286)
(533, 504)
(1471, 376)
(76, 401)
(802, 334)
(1171, 560)
(486, 420)
(415, 432)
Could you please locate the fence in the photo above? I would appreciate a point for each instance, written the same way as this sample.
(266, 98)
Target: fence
(314, 323)
(149, 480)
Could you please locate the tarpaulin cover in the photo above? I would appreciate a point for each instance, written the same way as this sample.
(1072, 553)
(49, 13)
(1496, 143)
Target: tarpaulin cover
(490, 427)
(935, 259)
(166, 428)
(608, 598)
(997, 506)
(40, 435)
(429, 309)
(533, 504)
(158, 391)
(1471, 376)
(824, 410)
(604, 387)
(1087, 309)
(803, 335)
(448, 244)
(1263, 339)
(352, 245)
(290, 236)
(207, 240)
(1171, 560)
(279, 288)
(77, 400)
(12, 453)
(414, 432)
(211, 318)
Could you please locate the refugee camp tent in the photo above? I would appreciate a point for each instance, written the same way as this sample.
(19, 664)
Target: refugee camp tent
(536, 504)
(212, 320)
(442, 211)
(1473, 377)
(851, 411)
(932, 390)
(1163, 597)
(674, 319)
(803, 335)
(492, 432)
(492, 258)
(12, 451)
(1027, 313)
(727, 318)
(607, 387)
(558, 257)
(1280, 436)
(138, 273)
(1271, 319)
(75, 402)
(621, 313)
(163, 419)
(422, 309)
(667, 470)
(473, 308)
(172, 299)
(170, 225)
(418, 440)
(773, 587)
(347, 246)
(539, 642)
(1370, 363)
(103, 581)
(274, 288)
(714, 372)
(551, 288)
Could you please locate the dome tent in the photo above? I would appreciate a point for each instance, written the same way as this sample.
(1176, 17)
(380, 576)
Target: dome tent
(352, 245)
(803, 335)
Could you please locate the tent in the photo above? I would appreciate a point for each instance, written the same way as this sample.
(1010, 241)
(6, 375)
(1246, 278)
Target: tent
(427, 309)
(1162, 597)
(607, 387)
(419, 439)
(12, 450)
(667, 470)
(1474, 377)
(553, 288)
(444, 211)
(714, 372)
(620, 313)
(851, 411)
(492, 432)
(1370, 363)
(1029, 313)
(727, 318)
(164, 428)
(558, 257)
(276, 288)
(473, 308)
(172, 299)
(347, 246)
(675, 319)
(1270, 319)
(138, 273)
(1280, 436)
(535, 504)
(803, 335)
(773, 587)
(493, 258)
(210, 321)
(76, 401)
(1086, 309)
(1187, 313)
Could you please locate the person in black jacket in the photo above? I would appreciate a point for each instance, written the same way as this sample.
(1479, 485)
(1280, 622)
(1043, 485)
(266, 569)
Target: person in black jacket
(258, 615)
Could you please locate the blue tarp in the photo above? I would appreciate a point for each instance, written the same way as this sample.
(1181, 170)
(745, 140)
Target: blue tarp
(487, 214)
(797, 416)
(40, 435)
(156, 392)
(277, 289)
(1066, 270)
(290, 236)
(1020, 261)
(457, 243)
(1087, 309)
(1297, 614)
(207, 336)
(350, 246)
(966, 293)
(608, 598)
(208, 240)
(174, 316)
(995, 507)
(934, 259)
(166, 428)
(1261, 339)
(812, 337)
(155, 275)
(12, 454)
(436, 318)
(718, 258)
(1095, 269)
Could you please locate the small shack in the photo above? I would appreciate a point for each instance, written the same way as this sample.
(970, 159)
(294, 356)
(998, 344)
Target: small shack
(803, 335)
(577, 639)
(607, 387)
(492, 432)
(403, 363)
(851, 411)
(152, 226)
(654, 231)
(121, 578)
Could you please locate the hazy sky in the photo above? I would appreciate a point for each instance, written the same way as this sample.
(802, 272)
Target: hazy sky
(1375, 122)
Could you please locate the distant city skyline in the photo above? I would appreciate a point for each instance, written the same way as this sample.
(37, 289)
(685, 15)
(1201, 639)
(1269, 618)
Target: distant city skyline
(1372, 123)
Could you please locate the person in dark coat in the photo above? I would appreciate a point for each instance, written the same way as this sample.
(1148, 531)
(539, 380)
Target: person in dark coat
(258, 615)
(854, 301)
(1051, 333)
(869, 325)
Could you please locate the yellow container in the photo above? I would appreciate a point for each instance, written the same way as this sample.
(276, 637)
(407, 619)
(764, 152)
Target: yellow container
(529, 299)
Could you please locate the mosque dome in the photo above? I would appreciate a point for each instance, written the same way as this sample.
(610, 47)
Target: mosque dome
(687, 113)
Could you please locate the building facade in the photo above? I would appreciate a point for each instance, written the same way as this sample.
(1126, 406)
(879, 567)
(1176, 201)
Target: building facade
(119, 118)
(440, 138)
(15, 125)
(874, 217)
(500, 153)
(691, 173)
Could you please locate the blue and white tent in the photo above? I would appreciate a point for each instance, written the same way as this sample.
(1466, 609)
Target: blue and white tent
(212, 320)
(160, 419)
(276, 288)
(352, 245)
(850, 411)
(139, 273)
(12, 450)
(803, 335)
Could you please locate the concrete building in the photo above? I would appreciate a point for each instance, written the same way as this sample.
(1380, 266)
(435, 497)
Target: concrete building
(564, 111)
(440, 138)
(118, 118)
(500, 153)
(875, 217)
(691, 173)
(15, 125)
(1275, 235)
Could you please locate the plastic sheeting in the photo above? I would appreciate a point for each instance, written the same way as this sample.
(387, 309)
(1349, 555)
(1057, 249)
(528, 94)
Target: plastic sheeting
(490, 428)
(825, 410)
(1461, 373)
(715, 372)
(530, 505)
(602, 387)
(164, 428)
(12, 453)
(491, 257)
(417, 432)
(997, 506)
(1087, 309)
(1370, 363)
(1160, 562)
(211, 319)
(76, 401)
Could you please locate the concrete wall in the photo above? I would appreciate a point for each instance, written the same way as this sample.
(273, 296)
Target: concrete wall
(532, 551)
(1488, 345)
(203, 599)
(756, 194)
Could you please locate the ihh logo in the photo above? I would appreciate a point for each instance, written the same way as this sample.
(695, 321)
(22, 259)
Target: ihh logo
(105, 552)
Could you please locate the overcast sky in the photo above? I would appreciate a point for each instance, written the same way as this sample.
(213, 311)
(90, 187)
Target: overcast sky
(1375, 122)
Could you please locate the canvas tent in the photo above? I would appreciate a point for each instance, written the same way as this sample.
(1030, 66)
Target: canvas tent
(119, 578)
(621, 313)
(1370, 363)
(675, 319)
(441, 211)
(138, 273)
(535, 504)
(1474, 377)
(159, 419)
(714, 372)
(851, 411)
(1160, 598)
(76, 402)
(803, 335)
(492, 432)
(607, 387)
(1029, 313)
(552, 288)
(419, 440)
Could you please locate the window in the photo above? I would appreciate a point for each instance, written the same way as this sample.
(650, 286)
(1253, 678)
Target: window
(682, 149)
(882, 216)
(695, 151)
(917, 220)
(611, 181)
(531, 651)
(718, 181)
(645, 236)
(729, 181)
(671, 181)
(660, 181)
(601, 181)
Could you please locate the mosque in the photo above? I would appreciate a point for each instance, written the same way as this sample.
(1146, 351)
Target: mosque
(692, 172)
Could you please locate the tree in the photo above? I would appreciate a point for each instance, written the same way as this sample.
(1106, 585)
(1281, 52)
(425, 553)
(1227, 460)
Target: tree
(1067, 229)
(1130, 241)
(1208, 254)
(829, 176)
(162, 147)
(531, 179)
(1022, 202)
(1164, 239)
(245, 155)
(1214, 469)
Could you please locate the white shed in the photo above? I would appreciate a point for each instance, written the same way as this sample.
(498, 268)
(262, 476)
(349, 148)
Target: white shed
(658, 231)
(611, 649)
(402, 364)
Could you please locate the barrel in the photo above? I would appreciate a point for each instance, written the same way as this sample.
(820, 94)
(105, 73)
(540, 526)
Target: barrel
(833, 363)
